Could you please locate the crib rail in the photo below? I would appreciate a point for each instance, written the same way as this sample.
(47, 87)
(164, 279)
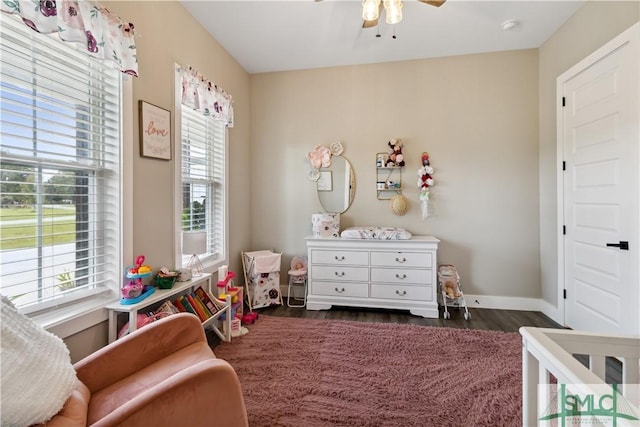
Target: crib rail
(549, 352)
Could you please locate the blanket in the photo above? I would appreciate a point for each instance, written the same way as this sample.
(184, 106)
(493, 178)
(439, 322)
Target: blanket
(37, 374)
(376, 233)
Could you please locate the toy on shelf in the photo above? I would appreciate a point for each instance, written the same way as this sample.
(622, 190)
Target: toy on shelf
(135, 290)
(224, 284)
(139, 270)
(227, 291)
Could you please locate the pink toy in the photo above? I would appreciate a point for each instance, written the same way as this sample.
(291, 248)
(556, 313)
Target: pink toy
(135, 287)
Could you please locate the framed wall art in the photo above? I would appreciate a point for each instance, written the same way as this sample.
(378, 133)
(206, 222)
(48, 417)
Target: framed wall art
(155, 131)
(325, 182)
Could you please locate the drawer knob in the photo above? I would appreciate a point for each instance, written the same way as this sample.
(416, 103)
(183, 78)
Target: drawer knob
(401, 276)
(340, 274)
(339, 290)
(339, 258)
(401, 260)
(401, 293)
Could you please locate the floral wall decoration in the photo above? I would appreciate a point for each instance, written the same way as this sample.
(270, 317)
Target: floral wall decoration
(320, 157)
(425, 182)
(104, 34)
(395, 158)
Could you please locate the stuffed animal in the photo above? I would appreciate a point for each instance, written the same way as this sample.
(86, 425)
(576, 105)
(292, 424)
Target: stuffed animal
(451, 289)
(395, 153)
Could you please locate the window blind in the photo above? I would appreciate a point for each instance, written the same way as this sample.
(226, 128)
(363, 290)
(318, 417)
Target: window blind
(203, 175)
(59, 170)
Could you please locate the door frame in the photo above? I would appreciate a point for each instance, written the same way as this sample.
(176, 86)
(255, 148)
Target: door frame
(628, 36)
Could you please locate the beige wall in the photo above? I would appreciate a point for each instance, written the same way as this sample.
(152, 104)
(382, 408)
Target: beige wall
(167, 34)
(591, 27)
(476, 115)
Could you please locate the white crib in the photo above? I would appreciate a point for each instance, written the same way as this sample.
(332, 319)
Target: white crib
(549, 352)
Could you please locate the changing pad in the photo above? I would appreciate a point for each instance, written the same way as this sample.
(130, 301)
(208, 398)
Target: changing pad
(375, 233)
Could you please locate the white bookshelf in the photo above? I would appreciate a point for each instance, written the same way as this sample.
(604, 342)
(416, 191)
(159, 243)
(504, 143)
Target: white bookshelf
(166, 294)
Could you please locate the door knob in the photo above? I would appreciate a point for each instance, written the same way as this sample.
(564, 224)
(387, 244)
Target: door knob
(624, 246)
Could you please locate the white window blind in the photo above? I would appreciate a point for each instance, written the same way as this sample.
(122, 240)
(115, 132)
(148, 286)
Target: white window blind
(59, 169)
(203, 175)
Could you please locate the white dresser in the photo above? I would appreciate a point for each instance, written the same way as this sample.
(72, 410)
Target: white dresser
(396, 274)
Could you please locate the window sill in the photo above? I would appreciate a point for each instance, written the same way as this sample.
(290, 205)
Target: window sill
(71, 319)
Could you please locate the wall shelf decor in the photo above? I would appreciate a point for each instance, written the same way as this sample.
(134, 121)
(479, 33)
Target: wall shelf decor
(388, 178)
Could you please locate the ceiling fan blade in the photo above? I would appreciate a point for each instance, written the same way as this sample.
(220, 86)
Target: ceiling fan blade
(436, 3)
(369, 24)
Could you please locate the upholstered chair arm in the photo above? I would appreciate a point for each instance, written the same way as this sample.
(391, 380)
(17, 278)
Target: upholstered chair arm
(142, 347)
(205, 394)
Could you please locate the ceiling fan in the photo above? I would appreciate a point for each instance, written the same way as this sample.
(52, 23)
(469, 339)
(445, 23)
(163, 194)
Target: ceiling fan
(372, 9)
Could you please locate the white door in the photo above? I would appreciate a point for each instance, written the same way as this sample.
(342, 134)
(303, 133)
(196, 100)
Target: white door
(599, 135)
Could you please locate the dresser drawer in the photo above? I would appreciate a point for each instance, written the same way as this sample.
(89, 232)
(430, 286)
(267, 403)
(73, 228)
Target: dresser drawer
(339, 257)
(338, 273)
(401, 275)
(337, 289)
(414, 293)
(402, 259)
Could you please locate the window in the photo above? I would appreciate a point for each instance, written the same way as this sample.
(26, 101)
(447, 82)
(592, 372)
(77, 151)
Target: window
(203, 181)
(60, 170)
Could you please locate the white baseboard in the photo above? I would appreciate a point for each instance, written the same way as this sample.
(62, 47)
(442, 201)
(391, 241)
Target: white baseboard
(551, 311)
(503, 303)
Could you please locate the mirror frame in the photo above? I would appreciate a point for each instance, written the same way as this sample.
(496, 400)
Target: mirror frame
(332, 187)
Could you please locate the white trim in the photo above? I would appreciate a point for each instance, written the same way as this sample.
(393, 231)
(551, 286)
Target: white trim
(209, 265)
(626, 36)
(126, 221)
(177, 164)
(551, 311)
(503, 303)
(227, 218)
(77, 317)
(559, 205)
(74, 318)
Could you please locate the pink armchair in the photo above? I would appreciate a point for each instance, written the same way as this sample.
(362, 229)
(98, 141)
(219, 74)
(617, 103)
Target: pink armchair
(164, 374)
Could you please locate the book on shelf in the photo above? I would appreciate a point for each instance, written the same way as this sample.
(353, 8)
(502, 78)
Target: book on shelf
(179, 305)
(187, 305)
(203, 296)
(205, 311)
(197, 308)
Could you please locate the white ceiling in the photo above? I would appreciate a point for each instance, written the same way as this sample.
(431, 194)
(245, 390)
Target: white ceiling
(268, 35)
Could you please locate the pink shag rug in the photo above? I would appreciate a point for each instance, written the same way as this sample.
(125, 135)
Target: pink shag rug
(306, 372)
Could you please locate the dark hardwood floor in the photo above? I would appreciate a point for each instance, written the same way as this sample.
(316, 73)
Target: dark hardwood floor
(498, 320)
(488, 319)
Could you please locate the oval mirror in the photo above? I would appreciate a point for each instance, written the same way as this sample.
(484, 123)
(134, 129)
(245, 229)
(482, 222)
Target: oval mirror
(336, 185)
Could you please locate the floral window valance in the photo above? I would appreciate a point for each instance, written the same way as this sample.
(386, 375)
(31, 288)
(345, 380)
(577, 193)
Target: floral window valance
(203, 95)
(104, 34)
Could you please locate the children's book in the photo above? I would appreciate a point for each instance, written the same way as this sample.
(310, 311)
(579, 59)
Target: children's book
(197, 308)
(201, 306)
(203, 296)
(187, 305)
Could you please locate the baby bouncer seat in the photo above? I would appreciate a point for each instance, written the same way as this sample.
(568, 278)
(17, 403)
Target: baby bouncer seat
(297, 278)
(452, 295)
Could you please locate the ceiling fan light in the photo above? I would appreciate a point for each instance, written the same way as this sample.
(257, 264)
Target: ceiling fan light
(370, 10)
(393, 10)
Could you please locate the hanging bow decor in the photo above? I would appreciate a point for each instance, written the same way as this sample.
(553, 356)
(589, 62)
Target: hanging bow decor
(425, 182)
